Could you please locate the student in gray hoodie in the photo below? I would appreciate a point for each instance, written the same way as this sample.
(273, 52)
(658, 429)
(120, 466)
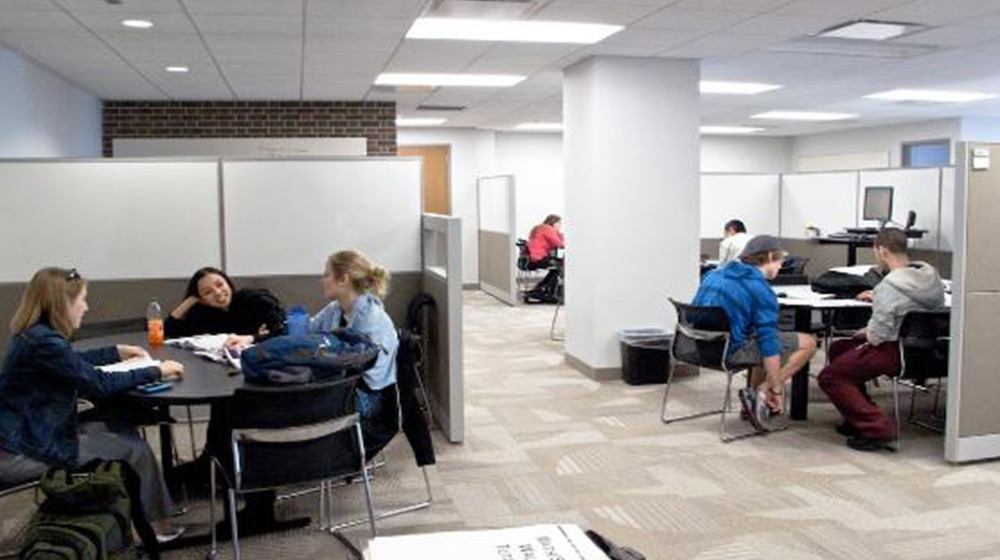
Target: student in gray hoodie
(908, 286)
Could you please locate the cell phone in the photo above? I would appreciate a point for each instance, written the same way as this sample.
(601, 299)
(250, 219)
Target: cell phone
(155, 387)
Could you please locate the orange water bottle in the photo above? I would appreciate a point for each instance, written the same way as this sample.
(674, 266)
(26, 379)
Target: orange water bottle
(154, 324)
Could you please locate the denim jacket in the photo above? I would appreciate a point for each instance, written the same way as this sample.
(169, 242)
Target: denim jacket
(368, 316)
(40, 380)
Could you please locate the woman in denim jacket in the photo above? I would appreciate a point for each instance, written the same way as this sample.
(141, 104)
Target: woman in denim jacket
(356, 287)
(40, 380)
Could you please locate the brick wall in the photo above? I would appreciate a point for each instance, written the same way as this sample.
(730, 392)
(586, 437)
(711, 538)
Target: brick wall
(374, 120)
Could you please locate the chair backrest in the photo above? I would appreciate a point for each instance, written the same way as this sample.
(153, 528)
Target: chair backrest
(924, 338)
(794, 265)
(294, 434)
(409, 361)
(108, 328)
(702, 335)
(523, 257)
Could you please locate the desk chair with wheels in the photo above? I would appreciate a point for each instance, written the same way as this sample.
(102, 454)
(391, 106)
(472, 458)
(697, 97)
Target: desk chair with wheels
(291, 435)
(924, 338)
(702, 340)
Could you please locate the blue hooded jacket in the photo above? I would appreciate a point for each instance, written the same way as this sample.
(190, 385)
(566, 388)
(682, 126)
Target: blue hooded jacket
(748, 300)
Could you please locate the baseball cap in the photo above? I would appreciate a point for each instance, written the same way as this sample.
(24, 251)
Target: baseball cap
(763, 244)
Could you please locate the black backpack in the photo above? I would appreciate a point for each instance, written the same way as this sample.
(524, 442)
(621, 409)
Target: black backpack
(843, 285)
(89, 515)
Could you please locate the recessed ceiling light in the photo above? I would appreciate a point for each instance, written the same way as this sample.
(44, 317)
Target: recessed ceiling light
(423, 121)
(736, 88)
(731, 129)
(137, 23)
(930, 95)
(869, 30)
(441, 80)
(540, 126)
(510, 30)
(177, 69)
(803, 116)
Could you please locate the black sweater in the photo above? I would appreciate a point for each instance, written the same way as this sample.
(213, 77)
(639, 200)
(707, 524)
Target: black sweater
(248, 310)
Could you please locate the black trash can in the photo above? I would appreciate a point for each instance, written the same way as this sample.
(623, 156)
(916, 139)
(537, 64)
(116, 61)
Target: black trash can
(645, 355)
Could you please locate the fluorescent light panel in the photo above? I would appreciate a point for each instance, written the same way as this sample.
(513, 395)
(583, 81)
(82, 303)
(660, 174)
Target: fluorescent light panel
(930, 95)
(422, 121)
(540, 126)
(436, 80)
(803, 116)
(867, 30)
(731, 129)
(510, 30)
(137, 23)
(736, 88)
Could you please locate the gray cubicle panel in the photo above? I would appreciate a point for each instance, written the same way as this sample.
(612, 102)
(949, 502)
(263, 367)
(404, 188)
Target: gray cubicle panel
(497, 202)
(973, 427)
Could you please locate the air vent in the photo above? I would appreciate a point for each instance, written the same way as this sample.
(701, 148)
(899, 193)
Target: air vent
(850, 47)
(445, 108)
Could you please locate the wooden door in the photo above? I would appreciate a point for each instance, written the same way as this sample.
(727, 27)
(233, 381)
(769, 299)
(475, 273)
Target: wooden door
(437, 187)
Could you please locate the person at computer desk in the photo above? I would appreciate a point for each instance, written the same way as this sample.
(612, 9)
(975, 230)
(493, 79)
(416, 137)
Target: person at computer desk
(734, 239)
(909, 286)
(741, 289)
(543, 240)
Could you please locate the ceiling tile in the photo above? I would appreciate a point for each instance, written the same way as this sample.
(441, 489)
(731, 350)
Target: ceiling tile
(843, 8)
(785, 25)
(128, 9)
(613, 13)
(164, 23)
(721, 45)
(40, 21)
(366, 9)
(243, 6)
(699, 20)
(937, 12)
(436, 56)
(271, 25)
(760, 6)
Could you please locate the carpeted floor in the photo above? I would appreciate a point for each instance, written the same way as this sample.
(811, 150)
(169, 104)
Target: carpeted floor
(545, 444)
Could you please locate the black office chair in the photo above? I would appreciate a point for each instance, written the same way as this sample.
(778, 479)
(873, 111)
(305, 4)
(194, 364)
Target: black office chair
(792, 272)
(292, 435)
(525, 274)
(924, 338)
(702, 340)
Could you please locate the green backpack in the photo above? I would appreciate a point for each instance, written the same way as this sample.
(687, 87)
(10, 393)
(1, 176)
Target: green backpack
(89, 516)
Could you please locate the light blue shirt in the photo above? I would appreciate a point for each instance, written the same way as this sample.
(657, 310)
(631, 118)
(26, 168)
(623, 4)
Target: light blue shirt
(368, 316)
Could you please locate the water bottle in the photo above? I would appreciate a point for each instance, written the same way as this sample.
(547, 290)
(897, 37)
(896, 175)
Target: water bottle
(154, 323)
(297, 320)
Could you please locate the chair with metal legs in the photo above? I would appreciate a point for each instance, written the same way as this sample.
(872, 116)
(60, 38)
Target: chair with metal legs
(14, 522)
(702, 340)
(924, 338)
(284, 436)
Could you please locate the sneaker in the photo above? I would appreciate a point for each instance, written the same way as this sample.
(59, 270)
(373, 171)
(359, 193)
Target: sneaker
(847, 430)
(862, 443)
(172, 535)
(748, 400)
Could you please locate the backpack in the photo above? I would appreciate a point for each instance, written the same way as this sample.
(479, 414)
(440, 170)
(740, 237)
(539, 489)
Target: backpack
(300, 359)
(89, 516)
(844, 285)
(258, 306)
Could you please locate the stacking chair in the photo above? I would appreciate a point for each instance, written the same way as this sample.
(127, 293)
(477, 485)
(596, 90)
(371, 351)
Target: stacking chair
(284, 436)
(924, 338)
(15, 522)
(702, 340)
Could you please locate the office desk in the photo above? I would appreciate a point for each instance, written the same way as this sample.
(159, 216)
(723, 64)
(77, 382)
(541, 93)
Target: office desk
(803, 300)
(862, 240)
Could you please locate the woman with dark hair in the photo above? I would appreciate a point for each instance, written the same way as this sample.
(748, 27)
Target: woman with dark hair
(213, 305)
(543, 240)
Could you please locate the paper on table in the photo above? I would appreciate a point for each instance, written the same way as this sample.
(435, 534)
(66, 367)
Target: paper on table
(134, 363)
(535, 542)
(859, 270)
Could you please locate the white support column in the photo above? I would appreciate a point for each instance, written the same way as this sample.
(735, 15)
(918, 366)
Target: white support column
(631, 153)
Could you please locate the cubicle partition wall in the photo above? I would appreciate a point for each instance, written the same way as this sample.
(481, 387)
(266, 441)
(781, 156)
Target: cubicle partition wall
(973, 427)
(830, 201)
(498, 237)
(442, 275)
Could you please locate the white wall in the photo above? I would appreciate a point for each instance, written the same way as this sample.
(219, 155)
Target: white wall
(536, 162)
(741, 154)
(472, 156)
(42, 115)
(874, 139)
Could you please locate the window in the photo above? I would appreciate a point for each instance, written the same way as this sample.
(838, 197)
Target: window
(929, 153)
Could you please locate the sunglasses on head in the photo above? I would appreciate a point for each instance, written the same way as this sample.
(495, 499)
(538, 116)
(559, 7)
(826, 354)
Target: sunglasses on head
(72, 274)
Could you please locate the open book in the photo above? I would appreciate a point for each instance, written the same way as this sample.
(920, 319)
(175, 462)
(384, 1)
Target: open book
(535, 542)
(134, 363)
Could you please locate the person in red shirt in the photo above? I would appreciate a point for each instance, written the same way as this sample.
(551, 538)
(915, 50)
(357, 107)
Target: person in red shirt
(543, 240)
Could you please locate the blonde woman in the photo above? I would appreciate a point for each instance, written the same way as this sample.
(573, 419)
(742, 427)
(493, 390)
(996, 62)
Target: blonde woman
(40, 380)
(355, 285)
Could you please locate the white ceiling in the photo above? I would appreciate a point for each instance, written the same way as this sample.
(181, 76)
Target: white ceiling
(333, 49)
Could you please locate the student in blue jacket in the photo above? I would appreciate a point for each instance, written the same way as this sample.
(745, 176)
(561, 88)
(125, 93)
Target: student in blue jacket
(741, 289)
(40, 380)
(356, 287)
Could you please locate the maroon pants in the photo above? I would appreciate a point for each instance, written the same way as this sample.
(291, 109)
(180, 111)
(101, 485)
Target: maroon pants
(853, 363)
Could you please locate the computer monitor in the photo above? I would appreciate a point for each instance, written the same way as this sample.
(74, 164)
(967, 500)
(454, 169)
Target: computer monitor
(878, 204)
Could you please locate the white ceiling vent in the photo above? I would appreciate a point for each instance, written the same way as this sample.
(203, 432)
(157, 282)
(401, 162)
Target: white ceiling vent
(480, 9)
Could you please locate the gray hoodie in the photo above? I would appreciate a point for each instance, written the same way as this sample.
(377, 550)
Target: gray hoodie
(913, 287)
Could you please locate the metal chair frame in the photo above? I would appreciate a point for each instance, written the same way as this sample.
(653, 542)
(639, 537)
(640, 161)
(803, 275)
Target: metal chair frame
(726, 407)
(902, 379)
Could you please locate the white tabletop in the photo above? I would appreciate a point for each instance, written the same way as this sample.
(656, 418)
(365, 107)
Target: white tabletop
(804, 296)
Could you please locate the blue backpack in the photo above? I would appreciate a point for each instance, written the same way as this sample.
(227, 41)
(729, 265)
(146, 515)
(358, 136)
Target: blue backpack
(298, 359)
